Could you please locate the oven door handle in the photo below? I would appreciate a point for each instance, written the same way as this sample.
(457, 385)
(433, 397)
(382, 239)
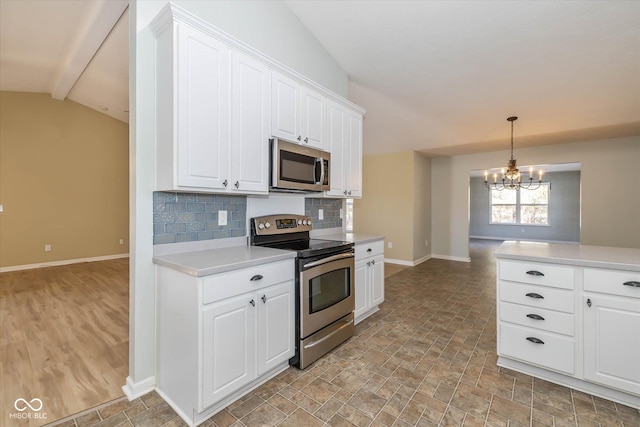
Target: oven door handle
(328, 259)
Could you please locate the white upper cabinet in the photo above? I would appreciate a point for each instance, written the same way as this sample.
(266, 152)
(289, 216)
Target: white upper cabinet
(250, 103)
(218, 101)
(344, 141)
(297, 112)
(212, 115)
(192, 110)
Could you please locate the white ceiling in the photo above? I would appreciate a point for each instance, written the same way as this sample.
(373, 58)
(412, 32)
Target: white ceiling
(71, 49)
(435, 76)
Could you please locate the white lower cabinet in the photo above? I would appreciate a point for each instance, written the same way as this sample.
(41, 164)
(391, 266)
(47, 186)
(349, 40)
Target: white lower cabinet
(611, 304)
(575, 326)
(220, 336)
(369, 277)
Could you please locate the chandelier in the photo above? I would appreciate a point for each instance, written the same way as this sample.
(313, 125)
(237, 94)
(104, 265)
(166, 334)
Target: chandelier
(511, 179)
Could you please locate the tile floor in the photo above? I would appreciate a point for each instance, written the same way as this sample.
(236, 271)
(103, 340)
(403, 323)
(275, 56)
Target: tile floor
(427, 358)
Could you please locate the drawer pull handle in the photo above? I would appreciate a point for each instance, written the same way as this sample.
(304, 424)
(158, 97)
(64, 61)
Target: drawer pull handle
(535, 317)
(369, 250)
(633, 284)
(535, 340)
(534, 273)
(256, 277)
(534, 295)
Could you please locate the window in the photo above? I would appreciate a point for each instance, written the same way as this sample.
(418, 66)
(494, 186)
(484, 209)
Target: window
(349, 216)
(529, 207)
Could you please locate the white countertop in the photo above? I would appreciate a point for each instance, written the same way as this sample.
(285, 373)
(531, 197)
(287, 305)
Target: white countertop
(213, 261)
(356, 239)
(580, 255)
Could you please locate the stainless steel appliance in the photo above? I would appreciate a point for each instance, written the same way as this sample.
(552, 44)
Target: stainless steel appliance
(296, 167)
(325, 271)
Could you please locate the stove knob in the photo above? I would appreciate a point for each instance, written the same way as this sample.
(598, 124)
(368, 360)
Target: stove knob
(260, 226)
(309, 222)
(299, 222)
(267, 224)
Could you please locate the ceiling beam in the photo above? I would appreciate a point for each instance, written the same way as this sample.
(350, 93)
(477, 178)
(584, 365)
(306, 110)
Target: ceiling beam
(105, 19)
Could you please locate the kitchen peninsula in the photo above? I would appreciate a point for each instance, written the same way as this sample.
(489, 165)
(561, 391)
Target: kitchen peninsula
(570, 314)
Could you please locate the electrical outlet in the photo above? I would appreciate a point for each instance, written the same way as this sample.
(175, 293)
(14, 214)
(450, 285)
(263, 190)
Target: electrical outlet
(320, 214)
(1, 208)
(426, 243)
(390, 245)
(122, 241)
(341, 213)
(47, 248)
(222, 217)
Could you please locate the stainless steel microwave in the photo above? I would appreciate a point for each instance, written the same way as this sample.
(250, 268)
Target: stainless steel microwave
(296, 167)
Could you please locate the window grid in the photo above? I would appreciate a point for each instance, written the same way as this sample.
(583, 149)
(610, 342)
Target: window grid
(525, 207)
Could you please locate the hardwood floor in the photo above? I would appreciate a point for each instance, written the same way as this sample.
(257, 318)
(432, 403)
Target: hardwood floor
(64, 338)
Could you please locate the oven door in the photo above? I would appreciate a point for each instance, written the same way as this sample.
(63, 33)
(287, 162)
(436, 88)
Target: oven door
(326, 291)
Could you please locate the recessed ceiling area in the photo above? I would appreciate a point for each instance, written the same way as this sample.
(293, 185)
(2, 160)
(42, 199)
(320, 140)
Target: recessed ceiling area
(439, 77)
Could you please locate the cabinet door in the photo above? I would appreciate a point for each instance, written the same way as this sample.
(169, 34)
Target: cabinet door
(228, 347)
(285, 119)
(377, 280)
(336, 145)
(354, 168)
(312, 117)
(361, 288)
(202, 102)
(250, 125)
(276, 321)
(612, 342)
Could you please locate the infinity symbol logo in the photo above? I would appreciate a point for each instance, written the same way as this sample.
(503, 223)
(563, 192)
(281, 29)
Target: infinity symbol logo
(26, 404)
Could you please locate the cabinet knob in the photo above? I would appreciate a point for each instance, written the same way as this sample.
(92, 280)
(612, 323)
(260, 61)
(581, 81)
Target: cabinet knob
(299, 137)
(345, 192)
(237, 184)
(349, 192)
(306, 140)
(264, 299)
(373, 262)
(368, 263)
(225, 183)
(588, 302)
(252, 302)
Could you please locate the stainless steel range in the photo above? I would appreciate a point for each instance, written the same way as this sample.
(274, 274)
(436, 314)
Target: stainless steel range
(325, 297)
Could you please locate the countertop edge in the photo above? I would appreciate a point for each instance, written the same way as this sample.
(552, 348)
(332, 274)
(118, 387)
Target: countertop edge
(208, 271)
(571, 261)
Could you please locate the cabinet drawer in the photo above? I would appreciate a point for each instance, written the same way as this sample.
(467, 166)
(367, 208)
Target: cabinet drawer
(552, 351)
(538, 318)
(365, 250)
(224, 285)
(537, 296)
(612, 282)
(537, 273)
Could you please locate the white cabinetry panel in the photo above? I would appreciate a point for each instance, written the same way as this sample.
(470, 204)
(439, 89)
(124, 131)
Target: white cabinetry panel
(369, 277)
(276, 321)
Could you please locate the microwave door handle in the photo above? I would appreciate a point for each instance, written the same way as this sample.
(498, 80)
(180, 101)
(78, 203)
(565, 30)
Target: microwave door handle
(320, 179)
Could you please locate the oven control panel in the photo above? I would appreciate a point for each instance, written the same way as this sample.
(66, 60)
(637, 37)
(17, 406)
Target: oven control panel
(280, 224)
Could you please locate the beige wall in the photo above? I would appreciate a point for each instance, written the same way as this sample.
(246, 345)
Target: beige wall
(610, 201)
(64, 172)
(396, 203)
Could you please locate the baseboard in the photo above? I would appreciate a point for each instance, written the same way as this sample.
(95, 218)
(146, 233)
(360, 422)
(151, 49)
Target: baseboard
(451, 258)
(407, 263)
(134, 390)
(62, 262)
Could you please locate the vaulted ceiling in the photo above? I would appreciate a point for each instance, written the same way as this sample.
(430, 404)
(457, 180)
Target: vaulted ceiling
(435, 76)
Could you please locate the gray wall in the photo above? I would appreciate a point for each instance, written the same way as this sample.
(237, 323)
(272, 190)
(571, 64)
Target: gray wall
(564, 212)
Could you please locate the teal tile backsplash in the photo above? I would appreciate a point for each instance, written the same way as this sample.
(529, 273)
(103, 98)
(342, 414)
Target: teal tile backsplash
(187, 217)
(331, 212)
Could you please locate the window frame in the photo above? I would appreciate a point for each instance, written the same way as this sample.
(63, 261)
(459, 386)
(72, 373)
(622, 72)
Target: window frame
(518, 205)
